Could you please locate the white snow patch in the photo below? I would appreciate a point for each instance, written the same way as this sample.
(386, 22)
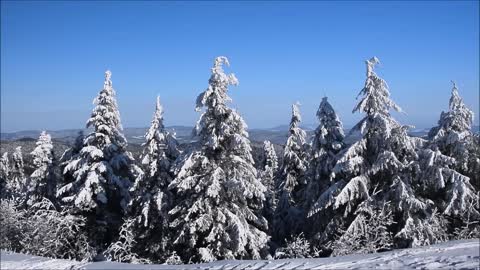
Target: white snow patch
(461, 254)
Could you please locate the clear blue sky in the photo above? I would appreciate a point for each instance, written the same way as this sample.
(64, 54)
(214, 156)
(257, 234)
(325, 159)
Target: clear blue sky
(54, 54)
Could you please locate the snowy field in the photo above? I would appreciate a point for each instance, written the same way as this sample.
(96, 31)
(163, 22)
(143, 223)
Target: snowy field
(463, 254)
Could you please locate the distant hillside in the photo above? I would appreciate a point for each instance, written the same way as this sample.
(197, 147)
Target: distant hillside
(60, 145)
(277, 135)
(136, 135)
(133, 135)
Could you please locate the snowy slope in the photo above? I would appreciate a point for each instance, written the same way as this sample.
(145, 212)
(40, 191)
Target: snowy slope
(463, 254)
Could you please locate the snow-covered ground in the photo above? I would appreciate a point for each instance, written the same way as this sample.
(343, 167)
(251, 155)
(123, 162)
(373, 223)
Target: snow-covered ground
(463, 254)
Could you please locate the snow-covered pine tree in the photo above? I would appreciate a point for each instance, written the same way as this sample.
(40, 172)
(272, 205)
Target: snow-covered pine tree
(327, 143)
(17, 182)
(4, 173)
(151, 199)
(441, 182)
(219, 199)
(267, 176)
(291, 183)
(454, 137)
(451, 191)
(43, 179)
(376, 168)
(97, 179)
(449, 160)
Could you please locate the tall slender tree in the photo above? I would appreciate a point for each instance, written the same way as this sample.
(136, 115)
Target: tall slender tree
(151, 199)
(327, 143)
(43, 181)
(374, 170)
(451, 161)
(4, 174)
(97, 179)
(219, 198)
(17, 182)
(453, 136)
(268, 174)
(292, 181)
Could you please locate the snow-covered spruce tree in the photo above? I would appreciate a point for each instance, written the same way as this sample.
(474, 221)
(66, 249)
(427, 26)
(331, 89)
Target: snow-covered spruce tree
(451, 191)
(4, 173)
(151, 199)
(327, 143)
(17, 182)
(453, 137)
(219, 199)
(267, 176)
(97, 179)
(291, 182)
(444, 166)
(380, 160)
(43, 179)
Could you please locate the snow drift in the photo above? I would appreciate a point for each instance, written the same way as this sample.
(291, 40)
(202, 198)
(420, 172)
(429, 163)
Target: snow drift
(460, 254)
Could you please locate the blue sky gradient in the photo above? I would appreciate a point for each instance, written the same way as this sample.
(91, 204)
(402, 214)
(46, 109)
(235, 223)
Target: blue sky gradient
(54, 54)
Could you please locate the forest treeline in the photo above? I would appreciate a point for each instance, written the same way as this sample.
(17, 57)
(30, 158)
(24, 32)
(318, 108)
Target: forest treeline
(208, 201)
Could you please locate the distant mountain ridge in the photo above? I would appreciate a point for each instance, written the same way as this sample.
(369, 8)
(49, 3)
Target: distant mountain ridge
(135, 135)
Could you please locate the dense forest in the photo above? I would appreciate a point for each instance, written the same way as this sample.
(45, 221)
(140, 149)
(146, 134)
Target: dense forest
(210, 199)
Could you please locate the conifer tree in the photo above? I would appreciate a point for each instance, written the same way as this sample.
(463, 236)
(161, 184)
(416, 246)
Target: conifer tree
(268, 176)
(4, 174)
(327, 143)
(17, 182)
(374, 170)
(292, 182)
(151, 199)
(450, 163)
(219, 199)
(454, 137)
(43, 179)
(451, 189)
(98, 177)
